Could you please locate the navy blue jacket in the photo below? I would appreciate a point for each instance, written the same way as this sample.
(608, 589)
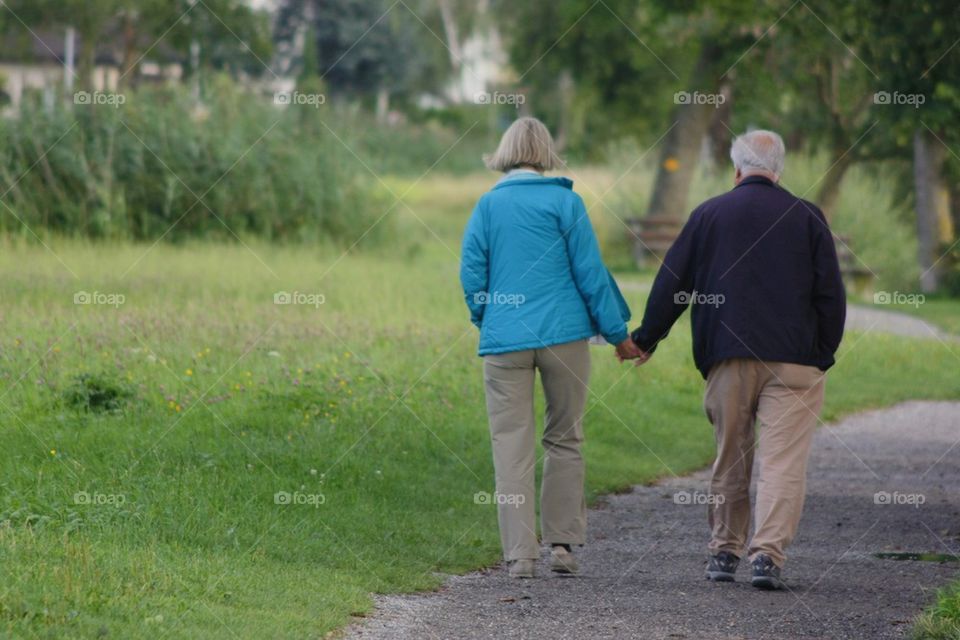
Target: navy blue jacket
(759, 267)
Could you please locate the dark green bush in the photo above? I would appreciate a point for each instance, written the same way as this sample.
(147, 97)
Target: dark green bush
(97, 393)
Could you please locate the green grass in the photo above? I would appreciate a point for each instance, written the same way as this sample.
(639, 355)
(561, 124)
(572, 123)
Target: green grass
(189, 406)
(942, 620)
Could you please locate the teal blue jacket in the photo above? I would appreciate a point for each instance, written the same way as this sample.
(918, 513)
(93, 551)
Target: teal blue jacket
(531, 270)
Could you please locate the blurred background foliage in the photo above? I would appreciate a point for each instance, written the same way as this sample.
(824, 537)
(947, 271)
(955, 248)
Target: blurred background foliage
(428, 85)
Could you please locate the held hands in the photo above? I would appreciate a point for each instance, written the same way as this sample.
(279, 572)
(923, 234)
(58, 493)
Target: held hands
(628, 350)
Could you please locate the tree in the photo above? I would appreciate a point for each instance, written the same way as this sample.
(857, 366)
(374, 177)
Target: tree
(663, 66)
(234, 37)
(89, 19)
(813, 84)
(231, 35)
(914, 55)
(367, 48)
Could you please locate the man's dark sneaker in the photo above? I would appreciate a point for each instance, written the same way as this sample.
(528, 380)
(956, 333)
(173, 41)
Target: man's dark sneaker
(722, 567)
(766, 575)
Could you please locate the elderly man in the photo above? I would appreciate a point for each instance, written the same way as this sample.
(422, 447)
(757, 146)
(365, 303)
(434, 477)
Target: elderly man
(759, 266)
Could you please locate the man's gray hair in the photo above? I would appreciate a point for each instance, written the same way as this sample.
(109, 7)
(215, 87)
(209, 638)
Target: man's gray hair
(758, 150)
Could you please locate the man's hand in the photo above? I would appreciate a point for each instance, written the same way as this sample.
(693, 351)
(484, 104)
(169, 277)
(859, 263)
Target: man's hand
(628, 350)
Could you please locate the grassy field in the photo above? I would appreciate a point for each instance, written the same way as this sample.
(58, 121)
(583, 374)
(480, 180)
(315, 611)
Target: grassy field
(193, 460)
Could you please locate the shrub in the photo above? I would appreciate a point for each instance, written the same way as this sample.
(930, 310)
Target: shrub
(96, 393)
(160, 165)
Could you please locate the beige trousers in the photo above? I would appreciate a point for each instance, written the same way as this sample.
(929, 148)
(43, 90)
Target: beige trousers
(786, 400)
(509, 379)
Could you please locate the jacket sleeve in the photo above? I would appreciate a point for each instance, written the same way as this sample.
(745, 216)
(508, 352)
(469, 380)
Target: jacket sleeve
(829, 295)
(596, 286)
(474, 265)
(672, 289)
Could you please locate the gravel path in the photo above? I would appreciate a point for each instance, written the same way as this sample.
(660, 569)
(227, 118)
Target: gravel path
(867, 318)
(642, 569)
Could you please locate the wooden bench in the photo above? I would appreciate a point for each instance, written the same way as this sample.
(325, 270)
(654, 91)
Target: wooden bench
(650, 238)
(859, 278)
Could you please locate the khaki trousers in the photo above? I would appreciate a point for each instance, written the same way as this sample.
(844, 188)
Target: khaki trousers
(786, 400)
(509, 379)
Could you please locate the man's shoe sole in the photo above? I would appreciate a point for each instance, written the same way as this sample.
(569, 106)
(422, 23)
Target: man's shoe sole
(767, 583)
(720, 576)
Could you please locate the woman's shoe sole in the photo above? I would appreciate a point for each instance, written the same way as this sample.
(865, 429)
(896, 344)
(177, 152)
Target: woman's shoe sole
(524, 574)
(558, 565)
(563, 570)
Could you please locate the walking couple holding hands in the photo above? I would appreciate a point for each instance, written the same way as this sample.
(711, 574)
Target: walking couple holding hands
(538, 290)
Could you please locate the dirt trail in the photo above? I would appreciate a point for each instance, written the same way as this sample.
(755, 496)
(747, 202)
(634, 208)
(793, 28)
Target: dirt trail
(642, 570)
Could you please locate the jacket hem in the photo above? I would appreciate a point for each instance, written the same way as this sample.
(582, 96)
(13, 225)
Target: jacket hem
(535, 344)
(807, 361)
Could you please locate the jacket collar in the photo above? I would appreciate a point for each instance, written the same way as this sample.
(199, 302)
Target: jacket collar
(524, 178)
(756, 180)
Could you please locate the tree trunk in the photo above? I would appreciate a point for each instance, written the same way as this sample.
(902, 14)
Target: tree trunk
(565, 96)
(681, 146)
(453, 48)
(70, 60)
(383, 105)
(719, 131)
(928, 158)
(953, 195)
(195, 70)
(86, 64)
(453, 38)
(130, 53)
(829, 192)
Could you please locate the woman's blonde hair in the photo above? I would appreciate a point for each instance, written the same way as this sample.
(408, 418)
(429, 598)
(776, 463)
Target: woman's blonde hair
(526, 143)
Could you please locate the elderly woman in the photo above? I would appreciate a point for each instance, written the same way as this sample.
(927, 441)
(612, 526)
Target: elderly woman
(538, 290)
